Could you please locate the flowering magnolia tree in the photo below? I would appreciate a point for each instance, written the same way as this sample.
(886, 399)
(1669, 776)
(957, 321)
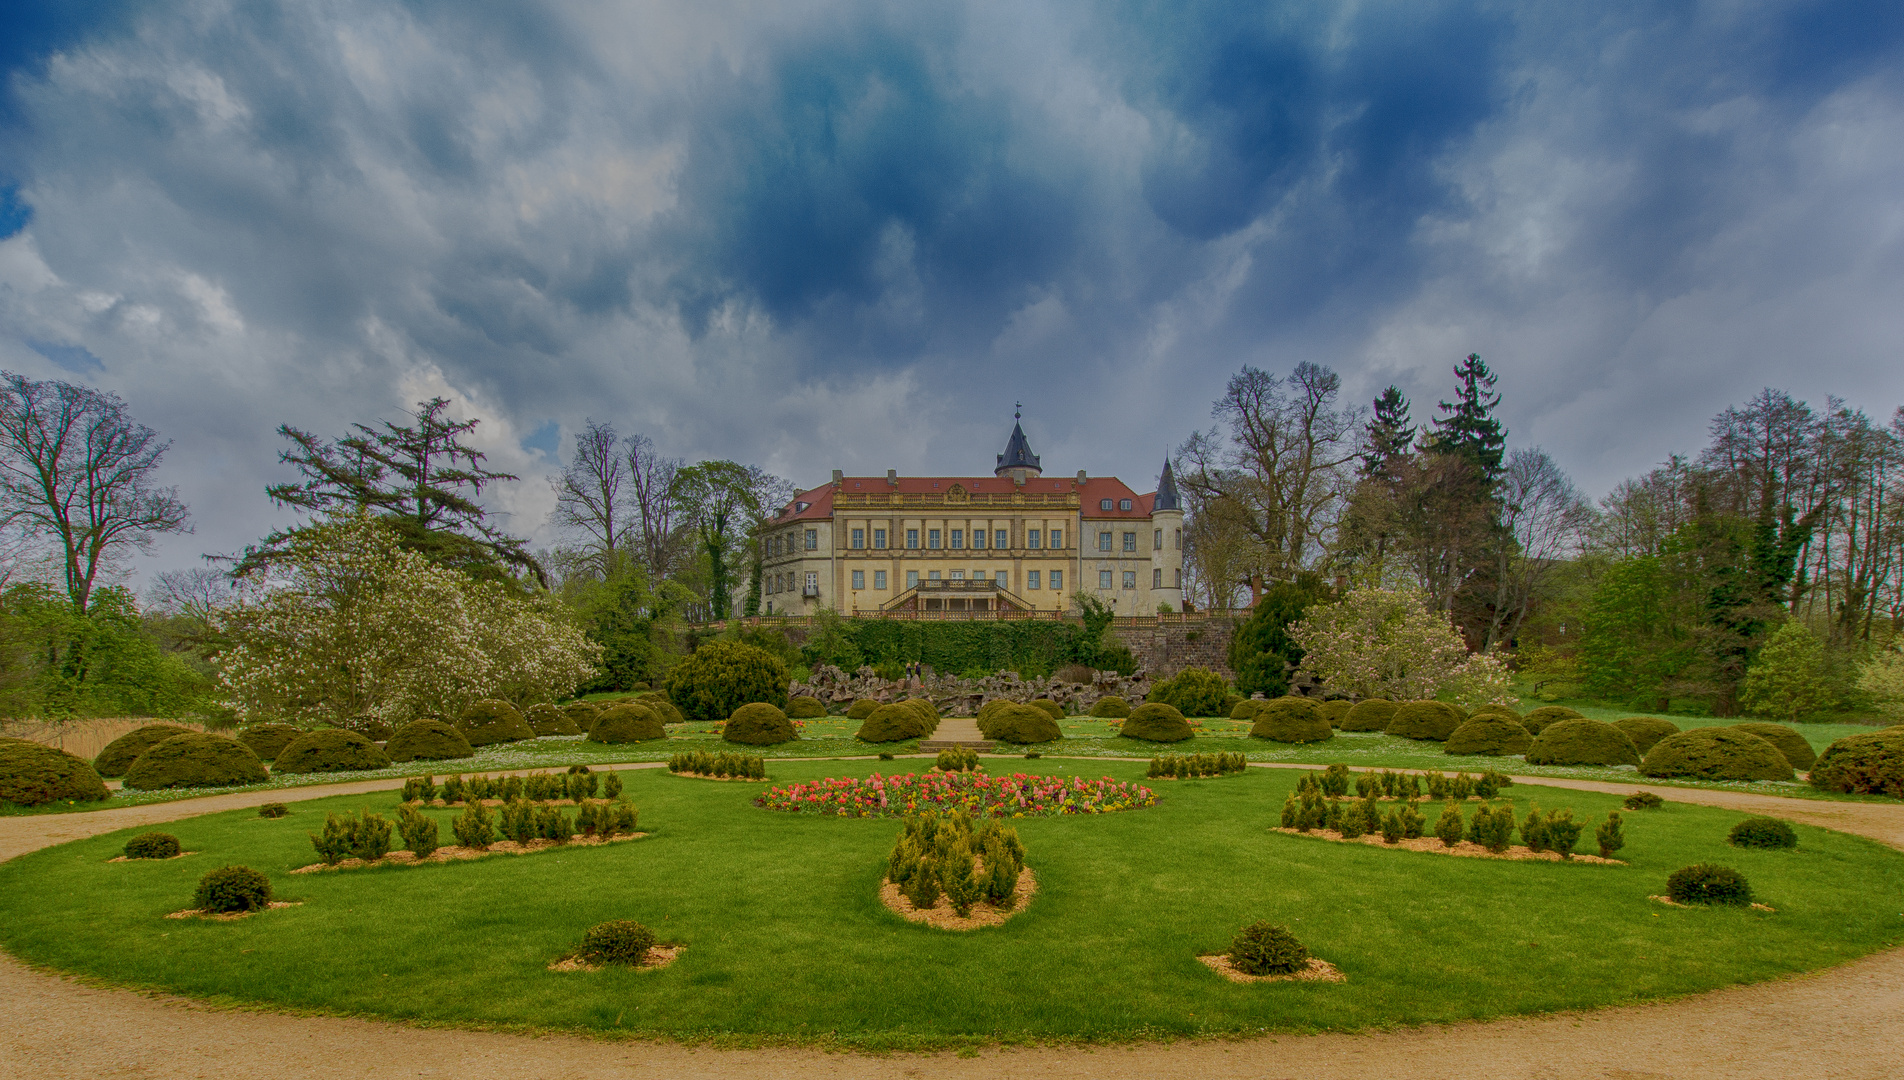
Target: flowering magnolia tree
(1391, 643)
(355, 625)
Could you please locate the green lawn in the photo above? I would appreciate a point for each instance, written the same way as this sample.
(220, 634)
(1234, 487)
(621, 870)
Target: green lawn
(787, 942)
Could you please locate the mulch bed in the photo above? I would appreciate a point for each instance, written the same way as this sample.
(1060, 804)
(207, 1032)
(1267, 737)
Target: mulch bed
(1670, 902)
(1466, 849)
(944, 917)
(168, 858)
(231, 916)
(1314, 971)
(455, 853)
(658, 957)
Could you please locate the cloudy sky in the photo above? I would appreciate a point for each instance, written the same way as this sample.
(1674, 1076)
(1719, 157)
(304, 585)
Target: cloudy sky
(812, 235)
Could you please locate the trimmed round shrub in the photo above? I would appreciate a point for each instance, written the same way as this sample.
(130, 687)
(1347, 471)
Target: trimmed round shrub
(1246, 709)
(1646, 731)
(1050, 707)
(152, 845)
(1789, 742)
(1111, 707)
(273, 810)
(374, 728)
(1434, 720)
(758, 724)
(266, 740)
(1194, 691)
(34, 774)
(582, 714)
(1762, 832)
(1488, 733)
(1023, 724)
(861, 708)
(1537, 720)
(622, 941)
(662, 706)
(1497, 709)
(721, 676)
(120, 753)
(1704, 883)
(197, 760)
(894, 723)
(1335, 711)
(1870, 763)
(1716, 753)
(330, 750)
(806, 707)
(1582, 742)
(1264, 949)
(1371, 715)
(488, 722)
(430, 740)
(232, 888)
(626, 723)
(1291, 720)
(1156, 721)
(546, 719)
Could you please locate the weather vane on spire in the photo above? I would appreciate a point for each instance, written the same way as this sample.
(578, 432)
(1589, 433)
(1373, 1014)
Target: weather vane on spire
(1016, 407)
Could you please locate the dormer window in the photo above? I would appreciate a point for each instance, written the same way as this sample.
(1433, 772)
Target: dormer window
(801, 508)
(1104, 504)
(1122, 504)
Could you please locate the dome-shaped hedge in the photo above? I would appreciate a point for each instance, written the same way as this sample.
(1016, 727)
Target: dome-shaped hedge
(1246, 709)
(1537, 720)
(33, 774)
(1156, 722)
(1871, 763)
(1646, 731)
(662, 707)
(1023, 724)
(626, 723)
(1789, 742)
(330, 750)
(806, 707)
(546, 719)
(266, 740)
(759, 724)
(1050, 707)
(427, 740)
(1582, 742)
(1335, 711)
(1371, 715)
(582, 714)
(895, 723)
(1488, 733)
(1716, 753)
(1497, 709)
(1111, 708)
(1194, 691)
(120, 753)
(1434, 720)
(491, 721)
(1291, 720)
(861, 708)
(196, 760)
(721, 676)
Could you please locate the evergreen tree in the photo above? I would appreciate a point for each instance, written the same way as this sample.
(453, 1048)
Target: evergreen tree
(1470, 427)
(1262, 653)
(1388, 436)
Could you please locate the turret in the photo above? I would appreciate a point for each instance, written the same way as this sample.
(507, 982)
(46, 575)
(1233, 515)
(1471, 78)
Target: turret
(1018, 461)
(1166, 558)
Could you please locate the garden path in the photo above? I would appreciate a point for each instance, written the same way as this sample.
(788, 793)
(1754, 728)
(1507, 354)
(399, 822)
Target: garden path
(1846, 1021)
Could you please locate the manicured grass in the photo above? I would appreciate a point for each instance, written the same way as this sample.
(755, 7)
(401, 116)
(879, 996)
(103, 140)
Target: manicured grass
(787, 942)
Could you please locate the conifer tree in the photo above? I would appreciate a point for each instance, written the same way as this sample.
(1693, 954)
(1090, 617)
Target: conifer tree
(1388, 436)
(1470, 427)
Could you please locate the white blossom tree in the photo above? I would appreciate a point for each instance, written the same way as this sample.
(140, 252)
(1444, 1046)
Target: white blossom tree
(1392, 643)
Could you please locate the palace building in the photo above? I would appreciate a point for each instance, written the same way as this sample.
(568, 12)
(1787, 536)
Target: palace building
(986, 546)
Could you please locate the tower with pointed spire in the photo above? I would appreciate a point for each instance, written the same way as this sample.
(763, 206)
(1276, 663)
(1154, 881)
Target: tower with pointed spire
(1018, 462)
(1166, 552)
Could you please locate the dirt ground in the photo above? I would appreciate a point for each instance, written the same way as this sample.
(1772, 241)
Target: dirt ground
(1844, 1022)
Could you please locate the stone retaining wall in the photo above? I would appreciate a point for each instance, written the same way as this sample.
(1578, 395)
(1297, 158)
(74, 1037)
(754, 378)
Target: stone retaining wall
(1167, 648)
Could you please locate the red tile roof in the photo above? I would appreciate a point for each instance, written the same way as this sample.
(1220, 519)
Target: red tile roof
(1095, 489)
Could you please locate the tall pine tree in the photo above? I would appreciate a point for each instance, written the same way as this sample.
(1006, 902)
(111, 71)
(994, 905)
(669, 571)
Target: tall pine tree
(1388, 436)
(1469, 427)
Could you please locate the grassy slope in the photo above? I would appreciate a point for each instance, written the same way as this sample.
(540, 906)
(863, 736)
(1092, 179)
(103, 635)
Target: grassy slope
(787, 941)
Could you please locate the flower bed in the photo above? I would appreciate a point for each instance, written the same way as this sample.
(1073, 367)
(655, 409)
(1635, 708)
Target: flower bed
(1015, 795)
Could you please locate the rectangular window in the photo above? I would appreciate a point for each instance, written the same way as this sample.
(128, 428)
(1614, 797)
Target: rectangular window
(932, 575)
(1157, 578)
(978, 539)
(813, 583)
(1179, 544)
(1130, 579)
(879, 538)
(813, 539)
(859, 538)
(1031, 579)
(1104, 541)
(1176, 577)
(1033, 538)
(879, 580)
(1157, 542)
(958, 575)
(1057, 538)
(1103, 579)
(958, 539)
(1002, 579)
(1057, 580)
(1130, 541)
(932, 539)
(1001, 539)
(859, 579)
(912, 538)
(912, 579)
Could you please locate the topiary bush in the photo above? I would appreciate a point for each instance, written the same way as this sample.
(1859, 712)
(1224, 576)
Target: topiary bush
(1156, 722)
(1716, 754)
(120, 753)
(1582, 742)
(1291, 720)
(1646, 731)
(33, 774)
(759, 724)
(805, 707)
(582, 714)
(1872, 764)
(1371, 715)
(1762, 832)
(1790, 743)
(266, 740)
(1496, 709)
(1643, 800)
(491, 721)
(622, 941)
(1704, 883)
(663, 708)
(1431, 720)
(1488, 733)
(1050, 707)
(195, 760)
(330, 750)
(894, 723)
(231, 889)
(1265, 949)
(861, 708)
(1194, 691)
(273, 810)
(626, 723)
(429, 740)
(153, 845)
(1246, 709)
(1111, 708)
(721, 676)
(1537, 720)
(547, 719)
(1335, 711)
(1023, 724)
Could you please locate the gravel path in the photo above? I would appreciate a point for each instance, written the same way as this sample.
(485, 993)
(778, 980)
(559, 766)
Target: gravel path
(1844, 1022)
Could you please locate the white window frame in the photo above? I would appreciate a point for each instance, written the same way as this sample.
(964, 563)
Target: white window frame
(859, 579)
(1103, 579)
(1130, 579)
(1057, 580)
(1031, 579)
(879, 580)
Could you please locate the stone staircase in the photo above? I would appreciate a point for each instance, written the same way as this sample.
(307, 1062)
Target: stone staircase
(957, 731)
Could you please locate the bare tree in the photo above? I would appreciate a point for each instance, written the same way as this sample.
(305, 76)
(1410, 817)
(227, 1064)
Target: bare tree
(589, 493)
(197, 593)
(76, 469)
(1547, 519)
(658, 520)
